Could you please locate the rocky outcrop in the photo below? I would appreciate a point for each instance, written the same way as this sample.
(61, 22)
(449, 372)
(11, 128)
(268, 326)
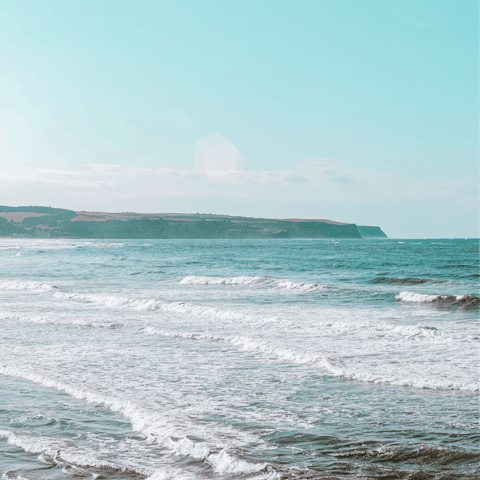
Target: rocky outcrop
(60, 223)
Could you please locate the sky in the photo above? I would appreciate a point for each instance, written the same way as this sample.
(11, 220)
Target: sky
(363, 112)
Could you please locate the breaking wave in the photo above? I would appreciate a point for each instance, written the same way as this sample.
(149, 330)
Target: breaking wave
(400, 381)
(193, 280)
(9, 475)
(335, 366)
(54, 321)
(388, 330)
(176, 307)
(289, 285)
(147, 422)
(108, 245)
(73, 460)
(244, 343)
(26, 285)
(457, 300)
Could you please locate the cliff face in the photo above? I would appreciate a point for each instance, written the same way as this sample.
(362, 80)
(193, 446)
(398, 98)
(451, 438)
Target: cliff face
(318, 229)
(60, 223)
(371, 232)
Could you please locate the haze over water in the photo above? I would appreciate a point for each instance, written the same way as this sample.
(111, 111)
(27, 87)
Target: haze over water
(248, 359)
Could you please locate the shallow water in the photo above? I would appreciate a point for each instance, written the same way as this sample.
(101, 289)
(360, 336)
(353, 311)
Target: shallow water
(196, 359)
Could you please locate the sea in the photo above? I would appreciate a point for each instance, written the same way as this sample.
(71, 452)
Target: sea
(239, 359)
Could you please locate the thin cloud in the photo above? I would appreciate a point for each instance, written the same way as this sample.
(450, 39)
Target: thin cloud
(318, 188)
(317, 175)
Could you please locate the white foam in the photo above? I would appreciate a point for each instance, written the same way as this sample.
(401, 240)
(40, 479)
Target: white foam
(57, 451)
(76, 462)
(244, 343)
(422, 298)
(171, 474)
(224, 463)
(49, 244)
(388, 330)
(32, 444)
(289, 285)
(141, 420)
(55, 321)
(416, 332)
(416, 297)
(110, 245)
(421, 383)
(9, 475)
(360, 373)
(22, 318)
(149, 423)
(300, 287)
(101, 245)
(193, 280)
(177, 307)
(26, 285)
(334, 366)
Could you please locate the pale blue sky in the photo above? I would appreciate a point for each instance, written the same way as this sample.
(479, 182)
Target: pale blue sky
(388, 88)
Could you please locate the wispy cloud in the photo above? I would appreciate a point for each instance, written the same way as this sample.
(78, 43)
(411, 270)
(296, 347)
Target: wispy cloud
(318, 188)
(92, 175)
(314, 175)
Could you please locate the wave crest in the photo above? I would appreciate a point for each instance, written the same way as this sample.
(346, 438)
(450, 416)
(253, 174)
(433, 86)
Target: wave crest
(175, 307)
(26, 285)
(73, 460)
(457, 300)
(245, 343)
(289, 285)
(53, 321)
(335, 366)
(203, 280)
(145, 421)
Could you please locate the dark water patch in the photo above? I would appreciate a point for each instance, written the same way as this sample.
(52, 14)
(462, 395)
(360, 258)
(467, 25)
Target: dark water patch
(404, 281)
(11, 475)
(299, 439)
(473, 276)
(456, 265)
(80, 464)
(410, 462)
(331, 457)
(419, 454)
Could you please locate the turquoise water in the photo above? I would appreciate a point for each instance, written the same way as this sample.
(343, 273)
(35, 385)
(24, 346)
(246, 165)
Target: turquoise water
(265, 359)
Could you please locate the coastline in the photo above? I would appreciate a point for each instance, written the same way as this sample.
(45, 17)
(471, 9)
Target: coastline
(47, 222)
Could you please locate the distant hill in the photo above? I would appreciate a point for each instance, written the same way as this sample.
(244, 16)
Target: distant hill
(47, 222)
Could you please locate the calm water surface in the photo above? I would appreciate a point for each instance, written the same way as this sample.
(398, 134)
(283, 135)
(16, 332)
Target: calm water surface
(239, 359)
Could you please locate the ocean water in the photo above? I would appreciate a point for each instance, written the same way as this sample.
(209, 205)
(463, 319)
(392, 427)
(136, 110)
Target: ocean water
(239, 359)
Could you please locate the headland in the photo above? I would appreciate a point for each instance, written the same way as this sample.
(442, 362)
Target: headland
(47, 222)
